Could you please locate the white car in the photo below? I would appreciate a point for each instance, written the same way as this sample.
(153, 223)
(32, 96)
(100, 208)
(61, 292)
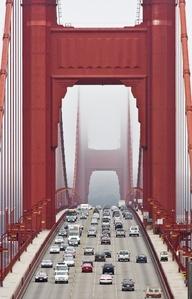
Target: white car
(134, 231)
(106, 279)
(163, 256)
(124, 256)
(54, 249)
(69, 260)
(71, 250)
(46, 264)
(62, 266)
(61, 276)
(59, 240)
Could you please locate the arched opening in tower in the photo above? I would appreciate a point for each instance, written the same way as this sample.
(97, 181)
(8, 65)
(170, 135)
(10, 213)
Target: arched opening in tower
(104, 188)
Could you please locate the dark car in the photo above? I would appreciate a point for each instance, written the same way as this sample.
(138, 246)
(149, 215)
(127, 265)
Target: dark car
(107, 252)
(108, 269)
(100, 257)
(41, 277)
(128, 285)
(118, 225)
(141, 258)
(105, 240)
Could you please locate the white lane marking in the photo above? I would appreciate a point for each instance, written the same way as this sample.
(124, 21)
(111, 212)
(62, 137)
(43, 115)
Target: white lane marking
(96, 263)
(114, 261)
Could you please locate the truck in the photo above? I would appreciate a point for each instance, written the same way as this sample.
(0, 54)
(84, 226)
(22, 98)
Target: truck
(74, 230)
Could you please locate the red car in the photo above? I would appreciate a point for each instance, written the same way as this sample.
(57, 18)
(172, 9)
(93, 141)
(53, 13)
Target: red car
(87, 267)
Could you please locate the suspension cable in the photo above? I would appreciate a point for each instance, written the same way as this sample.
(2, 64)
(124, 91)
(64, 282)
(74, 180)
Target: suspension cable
(186, 76)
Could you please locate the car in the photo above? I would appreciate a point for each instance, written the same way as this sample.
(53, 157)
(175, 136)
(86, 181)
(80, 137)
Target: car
(61, 276)
(120, 233)
(91, 233)
(105, 240)
(54, 249)
(88, 251)
(153, 292)
(118, 225)
(100, 257)
(46, 264)
(141, 258)
(59, 240)
(106, 232)
(73, 241)
(69, 260)
(61, 266)
(71, 250)
(107, 252)
(127, 285)
(106, 279)
(41, 277)
(123, 256)
(87, 267)
(134, 231)
(63, 246)
(62, 233)
(163, 256)
(83, 216)
(71, 218)
(108, 268)
(128, 216)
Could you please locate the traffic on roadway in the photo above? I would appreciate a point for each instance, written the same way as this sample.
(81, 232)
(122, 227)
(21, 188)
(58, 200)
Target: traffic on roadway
(97, 253)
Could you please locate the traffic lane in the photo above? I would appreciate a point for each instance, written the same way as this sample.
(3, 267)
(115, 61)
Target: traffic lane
(50, 290)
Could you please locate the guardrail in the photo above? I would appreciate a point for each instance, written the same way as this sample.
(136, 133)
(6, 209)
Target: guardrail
(158, 268)
(21, 288)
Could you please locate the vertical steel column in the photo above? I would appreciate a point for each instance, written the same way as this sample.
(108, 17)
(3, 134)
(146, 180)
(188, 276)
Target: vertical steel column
(38, 155)
(159, 16)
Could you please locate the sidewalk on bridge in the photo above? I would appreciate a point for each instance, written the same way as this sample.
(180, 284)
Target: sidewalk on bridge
(174, 278)
(13, 279)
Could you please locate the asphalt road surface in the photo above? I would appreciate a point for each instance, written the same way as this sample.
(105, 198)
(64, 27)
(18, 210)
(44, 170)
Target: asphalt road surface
(86, 285)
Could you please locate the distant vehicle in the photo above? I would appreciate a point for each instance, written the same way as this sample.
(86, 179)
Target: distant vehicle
(41, 277)
(123, 256)
(92, 233)
(73, 241)
(63, 246)
(46, 264)
(108, 268)
(120, 232)
(128, 285)
(61, 277)
(153, 292)
(134, 231)
(87, 267)
(59, 240)
(74, 230)
(106, 279)
(128, 216)
(62, 233)
(163, 256)
(107, 252)
(71, 218)
(88, 251)
(94, 221)
(61, 266)
(105, 240)
(118, 225)
(70, 250)
(141, 258)
(83, 216)
(106, 232)
(54, 249)
(69, 260)
(100, 257)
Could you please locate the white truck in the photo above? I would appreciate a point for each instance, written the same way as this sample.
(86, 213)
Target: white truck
(74, 230)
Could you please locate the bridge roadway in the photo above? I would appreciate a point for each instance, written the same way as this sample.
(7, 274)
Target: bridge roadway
(86, 285)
